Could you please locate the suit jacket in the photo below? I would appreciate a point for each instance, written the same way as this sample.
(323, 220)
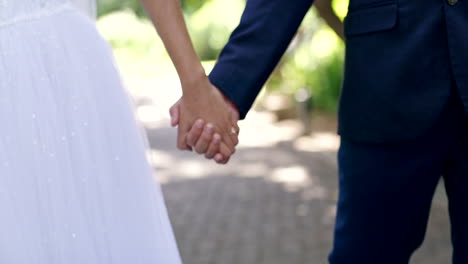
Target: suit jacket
(402, 59)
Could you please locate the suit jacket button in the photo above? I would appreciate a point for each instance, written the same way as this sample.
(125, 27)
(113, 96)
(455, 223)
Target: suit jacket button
(452, 2)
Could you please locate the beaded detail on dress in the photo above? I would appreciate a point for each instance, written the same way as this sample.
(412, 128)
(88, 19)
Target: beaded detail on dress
(36, 14)
(14, 11)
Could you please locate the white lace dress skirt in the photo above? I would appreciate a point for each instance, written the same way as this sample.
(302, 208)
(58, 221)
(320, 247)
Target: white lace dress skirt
(75, 184)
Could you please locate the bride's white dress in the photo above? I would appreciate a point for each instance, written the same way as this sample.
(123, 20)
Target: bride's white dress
(75, 185)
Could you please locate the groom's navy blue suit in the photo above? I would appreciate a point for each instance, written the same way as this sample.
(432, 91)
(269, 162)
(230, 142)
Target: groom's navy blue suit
(401, 116)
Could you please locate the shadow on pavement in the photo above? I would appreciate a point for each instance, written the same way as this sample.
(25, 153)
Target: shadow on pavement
(273, 204)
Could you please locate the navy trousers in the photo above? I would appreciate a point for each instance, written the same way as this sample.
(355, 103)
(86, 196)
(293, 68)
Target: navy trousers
(385, 193)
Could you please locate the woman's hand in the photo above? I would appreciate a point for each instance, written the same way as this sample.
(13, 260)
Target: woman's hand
(211, 121)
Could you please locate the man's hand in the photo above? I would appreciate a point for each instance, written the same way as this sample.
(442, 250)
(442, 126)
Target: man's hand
(201, 136)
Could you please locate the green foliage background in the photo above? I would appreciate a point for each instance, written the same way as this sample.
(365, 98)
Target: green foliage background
(314, 60)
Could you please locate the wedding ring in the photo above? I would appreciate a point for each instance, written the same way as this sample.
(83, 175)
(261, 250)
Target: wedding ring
(233, 131)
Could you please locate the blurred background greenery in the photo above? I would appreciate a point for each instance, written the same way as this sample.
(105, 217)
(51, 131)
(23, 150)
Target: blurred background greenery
(313, 64)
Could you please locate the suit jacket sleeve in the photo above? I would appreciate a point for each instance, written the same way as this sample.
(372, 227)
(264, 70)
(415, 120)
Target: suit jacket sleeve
(255, 47)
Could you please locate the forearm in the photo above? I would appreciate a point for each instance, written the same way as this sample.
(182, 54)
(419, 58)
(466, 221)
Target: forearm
(169, 22)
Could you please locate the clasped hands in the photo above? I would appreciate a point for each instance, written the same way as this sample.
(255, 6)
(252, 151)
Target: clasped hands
(206, 120)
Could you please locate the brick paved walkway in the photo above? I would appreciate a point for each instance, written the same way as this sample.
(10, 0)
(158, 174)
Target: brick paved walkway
(273, 204)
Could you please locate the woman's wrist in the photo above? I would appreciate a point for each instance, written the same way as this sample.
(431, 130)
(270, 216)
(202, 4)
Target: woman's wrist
(194, 82)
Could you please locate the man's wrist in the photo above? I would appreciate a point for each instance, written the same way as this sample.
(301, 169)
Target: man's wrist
(231, 103)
